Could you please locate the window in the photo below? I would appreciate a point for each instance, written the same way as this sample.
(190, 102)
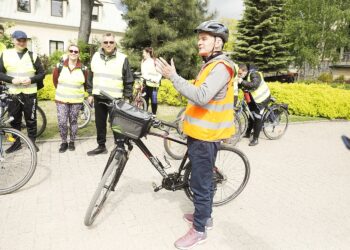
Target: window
(23, 5)
(57, 8)
(95, 13)
(56, 45)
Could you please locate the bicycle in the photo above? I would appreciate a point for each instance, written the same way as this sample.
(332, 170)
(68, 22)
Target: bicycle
(275, 118)
(177, 152)
(16, 168)
(137, 98)
(85, 115)
(231, 171)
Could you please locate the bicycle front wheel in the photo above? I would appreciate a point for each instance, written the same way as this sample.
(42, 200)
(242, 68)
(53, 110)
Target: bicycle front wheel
(275, 122)
(41, 121)
(84, 116)
(16, 166)
(231, 175)
(110, 178)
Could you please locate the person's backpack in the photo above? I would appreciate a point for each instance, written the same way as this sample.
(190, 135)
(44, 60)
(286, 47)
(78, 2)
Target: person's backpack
(39, 84)
(60, 67)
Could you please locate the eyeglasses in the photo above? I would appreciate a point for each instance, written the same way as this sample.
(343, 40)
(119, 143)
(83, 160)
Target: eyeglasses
(108, 42)
(74, 51)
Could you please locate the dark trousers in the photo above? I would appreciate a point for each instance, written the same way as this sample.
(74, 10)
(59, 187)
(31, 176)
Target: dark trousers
(25, 104)
(151, 93)
(256, 124)
(202, 155)
(101, 114)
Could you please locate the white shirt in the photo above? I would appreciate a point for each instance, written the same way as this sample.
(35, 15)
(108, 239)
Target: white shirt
(149, 72)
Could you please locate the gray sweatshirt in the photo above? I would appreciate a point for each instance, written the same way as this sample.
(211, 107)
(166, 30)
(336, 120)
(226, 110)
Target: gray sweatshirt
(214, 87)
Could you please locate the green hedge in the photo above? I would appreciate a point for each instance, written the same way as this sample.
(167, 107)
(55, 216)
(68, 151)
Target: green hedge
(315, 100)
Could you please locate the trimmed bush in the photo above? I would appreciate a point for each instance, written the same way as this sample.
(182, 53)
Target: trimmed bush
(316, 100)
(48, 91)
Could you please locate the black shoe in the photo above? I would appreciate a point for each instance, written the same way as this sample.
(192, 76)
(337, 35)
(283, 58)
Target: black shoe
(254, 142)
(63, 147)
(14, 147)
(101, 149)
(71, 146)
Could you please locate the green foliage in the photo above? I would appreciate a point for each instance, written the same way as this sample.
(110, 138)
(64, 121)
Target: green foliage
(87, 51)
(325, 77)
(48, 91)
(231, 24)
(316, 28)
(315, 100)
(167, 26)
(261, 39)
(6, 39)
(167, 94)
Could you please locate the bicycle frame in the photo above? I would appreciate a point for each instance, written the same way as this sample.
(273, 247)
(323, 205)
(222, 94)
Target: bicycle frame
(157, 164)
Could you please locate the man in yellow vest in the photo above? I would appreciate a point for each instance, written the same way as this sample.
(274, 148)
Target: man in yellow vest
(208, 119)
(258, 96)
(2, 45)
(22, 70)
(110, 71)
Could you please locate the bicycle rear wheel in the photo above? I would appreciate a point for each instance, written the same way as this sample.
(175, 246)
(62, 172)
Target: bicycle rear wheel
(110, 178)
(17, 167)
(176, 150)
(84, 116)
(231, 175)
(275, 122)
(243, 119)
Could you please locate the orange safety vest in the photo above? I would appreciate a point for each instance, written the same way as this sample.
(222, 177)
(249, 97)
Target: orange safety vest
(215, 120)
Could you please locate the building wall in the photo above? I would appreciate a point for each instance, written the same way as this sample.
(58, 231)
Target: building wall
(41, 27)
(344, 71)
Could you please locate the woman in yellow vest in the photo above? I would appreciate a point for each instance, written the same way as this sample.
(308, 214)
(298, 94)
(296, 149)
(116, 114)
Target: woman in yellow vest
(152, 78)
(69, 78)
(208, 119)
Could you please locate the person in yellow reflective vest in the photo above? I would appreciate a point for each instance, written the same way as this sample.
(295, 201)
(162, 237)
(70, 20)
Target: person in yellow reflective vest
(257, 95)
(69, 78)
(2, 45)
(208, 119)
(152, 78)
(23, 72)
(110, 71)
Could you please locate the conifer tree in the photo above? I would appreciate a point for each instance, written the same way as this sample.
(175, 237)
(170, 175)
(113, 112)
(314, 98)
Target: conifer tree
(167, 26)
(261, 40)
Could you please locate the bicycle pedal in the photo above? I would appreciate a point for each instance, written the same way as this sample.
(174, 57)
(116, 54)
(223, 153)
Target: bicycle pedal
(155, 187)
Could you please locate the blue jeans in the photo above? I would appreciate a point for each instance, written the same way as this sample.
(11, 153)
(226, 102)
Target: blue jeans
(202, 155)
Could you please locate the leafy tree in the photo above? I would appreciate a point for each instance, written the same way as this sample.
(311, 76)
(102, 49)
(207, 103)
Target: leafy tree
(261, 39)
(317, 28)
(167, 26)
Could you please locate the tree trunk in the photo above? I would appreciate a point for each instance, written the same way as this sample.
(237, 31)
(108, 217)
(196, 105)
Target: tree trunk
(85, 20)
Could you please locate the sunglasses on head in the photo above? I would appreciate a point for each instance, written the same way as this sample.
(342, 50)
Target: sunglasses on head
(108, 42)
(74, 51)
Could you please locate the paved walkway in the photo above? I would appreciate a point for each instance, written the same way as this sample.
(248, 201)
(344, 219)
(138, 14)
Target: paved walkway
(298, 197)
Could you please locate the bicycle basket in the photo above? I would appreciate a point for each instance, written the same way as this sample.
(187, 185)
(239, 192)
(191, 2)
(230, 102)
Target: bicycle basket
(129, 120)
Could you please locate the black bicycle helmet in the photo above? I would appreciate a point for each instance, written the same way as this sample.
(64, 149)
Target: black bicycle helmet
(215, 28)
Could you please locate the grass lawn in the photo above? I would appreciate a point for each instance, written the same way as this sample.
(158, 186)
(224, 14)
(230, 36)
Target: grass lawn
(165, 112)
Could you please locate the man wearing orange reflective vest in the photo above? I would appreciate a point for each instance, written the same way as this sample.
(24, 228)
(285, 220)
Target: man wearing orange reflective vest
(209, 118)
